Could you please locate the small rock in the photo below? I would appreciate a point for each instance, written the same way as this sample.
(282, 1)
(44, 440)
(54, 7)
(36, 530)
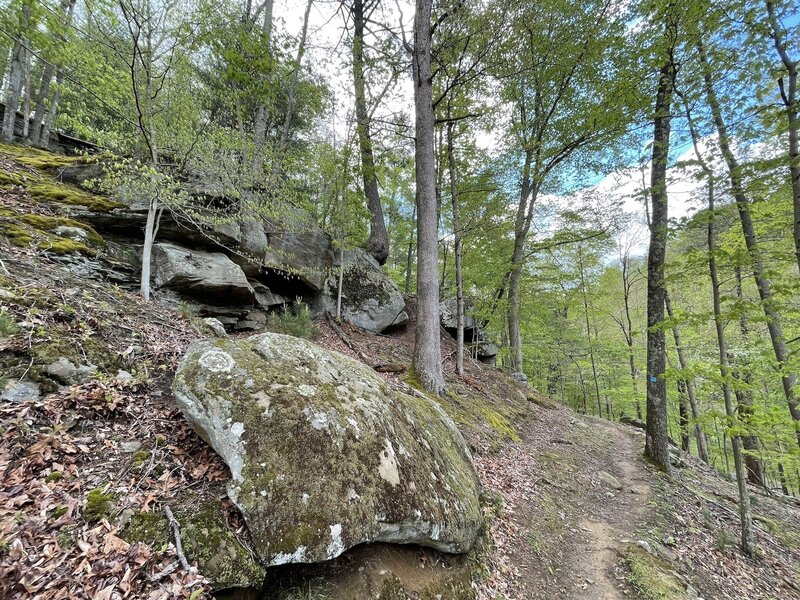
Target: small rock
(130, 447)
(609, 480)
(692, 593)
(84, 373)
(216, 327)
(6, 295)
(123, 376)
(645, 545)
(22, 391)
(520, 378)
(62, 370)
(76, 234)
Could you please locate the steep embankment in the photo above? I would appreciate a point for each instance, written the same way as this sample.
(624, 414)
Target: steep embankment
(94, 452)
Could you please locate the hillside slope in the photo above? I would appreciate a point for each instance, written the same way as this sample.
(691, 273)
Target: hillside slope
(95, 459)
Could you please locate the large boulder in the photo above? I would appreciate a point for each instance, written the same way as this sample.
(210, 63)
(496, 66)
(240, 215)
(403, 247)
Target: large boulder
(325, 455)
(370, 299)
(207, 275)
(300, 251)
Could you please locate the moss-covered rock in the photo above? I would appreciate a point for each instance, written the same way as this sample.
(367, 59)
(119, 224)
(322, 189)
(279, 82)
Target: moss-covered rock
(207, 540)
(324, 454)
(370, 299)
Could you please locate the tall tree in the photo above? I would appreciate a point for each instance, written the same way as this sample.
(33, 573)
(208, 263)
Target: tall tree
(787, 85)
(657, 439)
(427, 352)
(773, 317)
(378, 242)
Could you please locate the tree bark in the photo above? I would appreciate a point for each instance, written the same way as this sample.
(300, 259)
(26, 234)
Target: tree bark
(699, 434)
(744, 400)
(788, 92)
(378, 242)
(657, 437)
(774, 321)
(454, 200)
(527, 198)
(683, 416)
(427, 361)
(589, 333)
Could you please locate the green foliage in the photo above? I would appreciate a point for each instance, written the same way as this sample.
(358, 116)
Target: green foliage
(295, 320)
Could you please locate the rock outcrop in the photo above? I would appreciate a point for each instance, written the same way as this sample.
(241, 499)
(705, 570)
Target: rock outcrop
(325, 455)
(207, 275)
(475, 337)
(370, 300)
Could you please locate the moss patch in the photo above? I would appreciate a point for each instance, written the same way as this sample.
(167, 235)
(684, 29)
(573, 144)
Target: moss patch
(24, 229)
(51, 191)
(36, 157)
(651, 576)
(98, 505)
(500, 423)
(206, 538)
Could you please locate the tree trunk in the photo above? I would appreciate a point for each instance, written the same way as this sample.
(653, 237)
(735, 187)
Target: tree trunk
(699, 434)
(262, 111)
(589, 333)
(745, 514)
(427, 352)
(527, 197)
(41, 113)
(657, 438)
(378, 242)
(410, 252)
(14, 91)
(790, 100)
(683, 416)
(774, 321)
(454, 200)
(628, 333)
(744, 400)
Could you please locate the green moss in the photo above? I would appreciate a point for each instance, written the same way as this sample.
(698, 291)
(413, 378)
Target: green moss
(36, 157)
(16, 235)
(57, 512)
(139, 458)
(48, 223)
(54, 476)
(58, 245)
(98, 505)
(8, 179)
(651, 576)
(500, 423)
(206, 539)
(51, 191)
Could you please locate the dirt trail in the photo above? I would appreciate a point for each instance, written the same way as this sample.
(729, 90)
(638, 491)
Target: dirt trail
(569, 519)
(611, 524)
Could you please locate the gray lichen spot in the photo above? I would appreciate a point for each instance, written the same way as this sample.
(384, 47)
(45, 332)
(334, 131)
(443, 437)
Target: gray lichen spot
(217, 361)
(388, 464)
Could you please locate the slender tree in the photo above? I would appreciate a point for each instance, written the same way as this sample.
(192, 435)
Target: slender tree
(427, 352)
(657, 439)
(378, 242)
(774, 320)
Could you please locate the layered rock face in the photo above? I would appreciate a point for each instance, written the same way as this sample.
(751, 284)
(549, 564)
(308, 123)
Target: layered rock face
(239, 268)
(324, 454)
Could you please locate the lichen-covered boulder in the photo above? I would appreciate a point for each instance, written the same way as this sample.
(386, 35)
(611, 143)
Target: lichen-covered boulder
(370, 299)
(325, 455)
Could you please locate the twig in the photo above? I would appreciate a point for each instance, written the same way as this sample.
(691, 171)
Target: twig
(176, 531)
(170, 568)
